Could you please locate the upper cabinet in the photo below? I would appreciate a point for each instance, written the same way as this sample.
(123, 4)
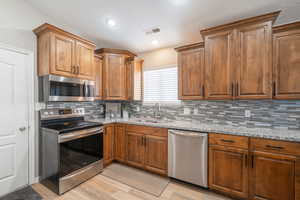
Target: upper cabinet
(134, 75)
(191, 71)
(254, 61)
(238, 59)
(118, 74)
(64, 54)
(98, 67)
(219, 64)
(286, 61)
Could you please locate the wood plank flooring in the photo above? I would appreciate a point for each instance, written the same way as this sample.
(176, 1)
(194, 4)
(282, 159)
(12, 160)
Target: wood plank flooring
(104, 188)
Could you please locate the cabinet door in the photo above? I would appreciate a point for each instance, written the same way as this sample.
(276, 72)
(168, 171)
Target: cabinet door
(115, 77)
(287, 65)
(98, 77)
(84, 61)
(191, 74)
(108, 149)
(156, 154)
(135, 149)
(62, 55)
(219, 63)
(272, 177)
(228, 170)
(254, 62)
(120, 137)
(129, 79)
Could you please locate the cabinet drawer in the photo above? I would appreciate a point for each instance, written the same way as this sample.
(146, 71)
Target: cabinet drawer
(275, 146)
(147, 130)
(229, 140)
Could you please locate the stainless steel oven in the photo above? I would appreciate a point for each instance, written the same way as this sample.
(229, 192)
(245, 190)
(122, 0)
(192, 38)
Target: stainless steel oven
(71, 149)
(59, 88)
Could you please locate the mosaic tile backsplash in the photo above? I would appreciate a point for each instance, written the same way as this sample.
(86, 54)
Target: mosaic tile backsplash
(93, 110)
(264, 114)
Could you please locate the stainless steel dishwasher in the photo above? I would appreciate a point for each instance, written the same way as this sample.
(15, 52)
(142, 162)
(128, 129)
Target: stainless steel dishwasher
(187, 156)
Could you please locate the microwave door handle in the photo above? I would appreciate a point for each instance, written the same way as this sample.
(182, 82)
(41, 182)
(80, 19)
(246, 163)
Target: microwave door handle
(84, 90)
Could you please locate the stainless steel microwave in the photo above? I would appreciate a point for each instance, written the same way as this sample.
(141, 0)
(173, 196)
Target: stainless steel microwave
(59, 88)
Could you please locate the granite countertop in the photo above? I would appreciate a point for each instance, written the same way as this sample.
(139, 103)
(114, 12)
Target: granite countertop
(277, 134)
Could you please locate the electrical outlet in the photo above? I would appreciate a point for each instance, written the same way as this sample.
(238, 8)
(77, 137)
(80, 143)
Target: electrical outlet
(186, 111)
(247, 113)
(138, 108)
(195, 111)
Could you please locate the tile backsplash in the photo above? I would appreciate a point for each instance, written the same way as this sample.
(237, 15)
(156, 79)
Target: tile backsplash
(264, 113)
(93, 110)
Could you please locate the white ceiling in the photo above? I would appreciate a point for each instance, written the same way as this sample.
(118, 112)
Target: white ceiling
(179, 20)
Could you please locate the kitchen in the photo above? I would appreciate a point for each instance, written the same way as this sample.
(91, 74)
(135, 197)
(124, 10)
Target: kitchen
(214, 115)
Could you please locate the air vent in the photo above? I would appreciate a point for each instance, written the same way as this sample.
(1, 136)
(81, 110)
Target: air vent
(153, 31)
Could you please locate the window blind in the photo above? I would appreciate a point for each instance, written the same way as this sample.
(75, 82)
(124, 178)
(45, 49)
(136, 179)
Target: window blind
(161, 85)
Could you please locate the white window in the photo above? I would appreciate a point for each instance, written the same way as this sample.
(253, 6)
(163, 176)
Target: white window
(161, 85)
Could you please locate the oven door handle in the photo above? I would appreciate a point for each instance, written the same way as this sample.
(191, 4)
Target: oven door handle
(79, 134)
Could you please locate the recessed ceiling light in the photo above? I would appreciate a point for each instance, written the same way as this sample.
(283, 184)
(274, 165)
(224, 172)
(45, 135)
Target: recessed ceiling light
(178, 2)
(154, 42)
(111, 22)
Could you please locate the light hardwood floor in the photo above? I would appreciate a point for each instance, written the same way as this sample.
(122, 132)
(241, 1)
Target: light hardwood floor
(104, 188)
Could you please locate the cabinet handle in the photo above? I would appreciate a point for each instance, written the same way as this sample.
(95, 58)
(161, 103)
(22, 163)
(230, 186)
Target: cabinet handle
(203, 90)
(232, 89)
(274, 147)
(227, 141)
(252, 161)
(77, 69)
(144, 141)
(237, 89)
(274, 89)
(246, 160)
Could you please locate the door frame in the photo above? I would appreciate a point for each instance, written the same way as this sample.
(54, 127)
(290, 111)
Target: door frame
(31, 78)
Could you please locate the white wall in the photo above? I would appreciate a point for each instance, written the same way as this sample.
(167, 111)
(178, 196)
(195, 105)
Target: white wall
(159, 58)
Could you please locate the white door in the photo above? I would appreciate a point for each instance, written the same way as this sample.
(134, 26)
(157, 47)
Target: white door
(13, 121)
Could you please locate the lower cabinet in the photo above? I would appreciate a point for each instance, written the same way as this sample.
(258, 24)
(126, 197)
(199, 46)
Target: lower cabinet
(147, 148)
(108, 144)
(273, 170)
(119, 143)
(156, 158)
(135, 154)
(254, 168)
(228, 169)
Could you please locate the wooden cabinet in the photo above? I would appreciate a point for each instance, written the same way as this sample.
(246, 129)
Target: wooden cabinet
(191, 71)
(274, 166)
(254, 61)
(64, 54)
(98, 67)
(272, 177)
(117, 73)
(114, 77)
(108, 144)
(147, 148)
(135, 149)
(286, 61)
(134, 83)
(119, 143)
(228, 165)
(84, 60)
(238, 59)
(219, 64)
(156, 154)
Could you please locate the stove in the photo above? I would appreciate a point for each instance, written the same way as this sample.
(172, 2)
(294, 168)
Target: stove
(71, 149)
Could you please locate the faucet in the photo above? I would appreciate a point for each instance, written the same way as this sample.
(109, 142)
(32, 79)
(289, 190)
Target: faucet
(156, 111)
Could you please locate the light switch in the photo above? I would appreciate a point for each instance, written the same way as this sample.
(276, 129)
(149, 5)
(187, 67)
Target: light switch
(247, 113)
